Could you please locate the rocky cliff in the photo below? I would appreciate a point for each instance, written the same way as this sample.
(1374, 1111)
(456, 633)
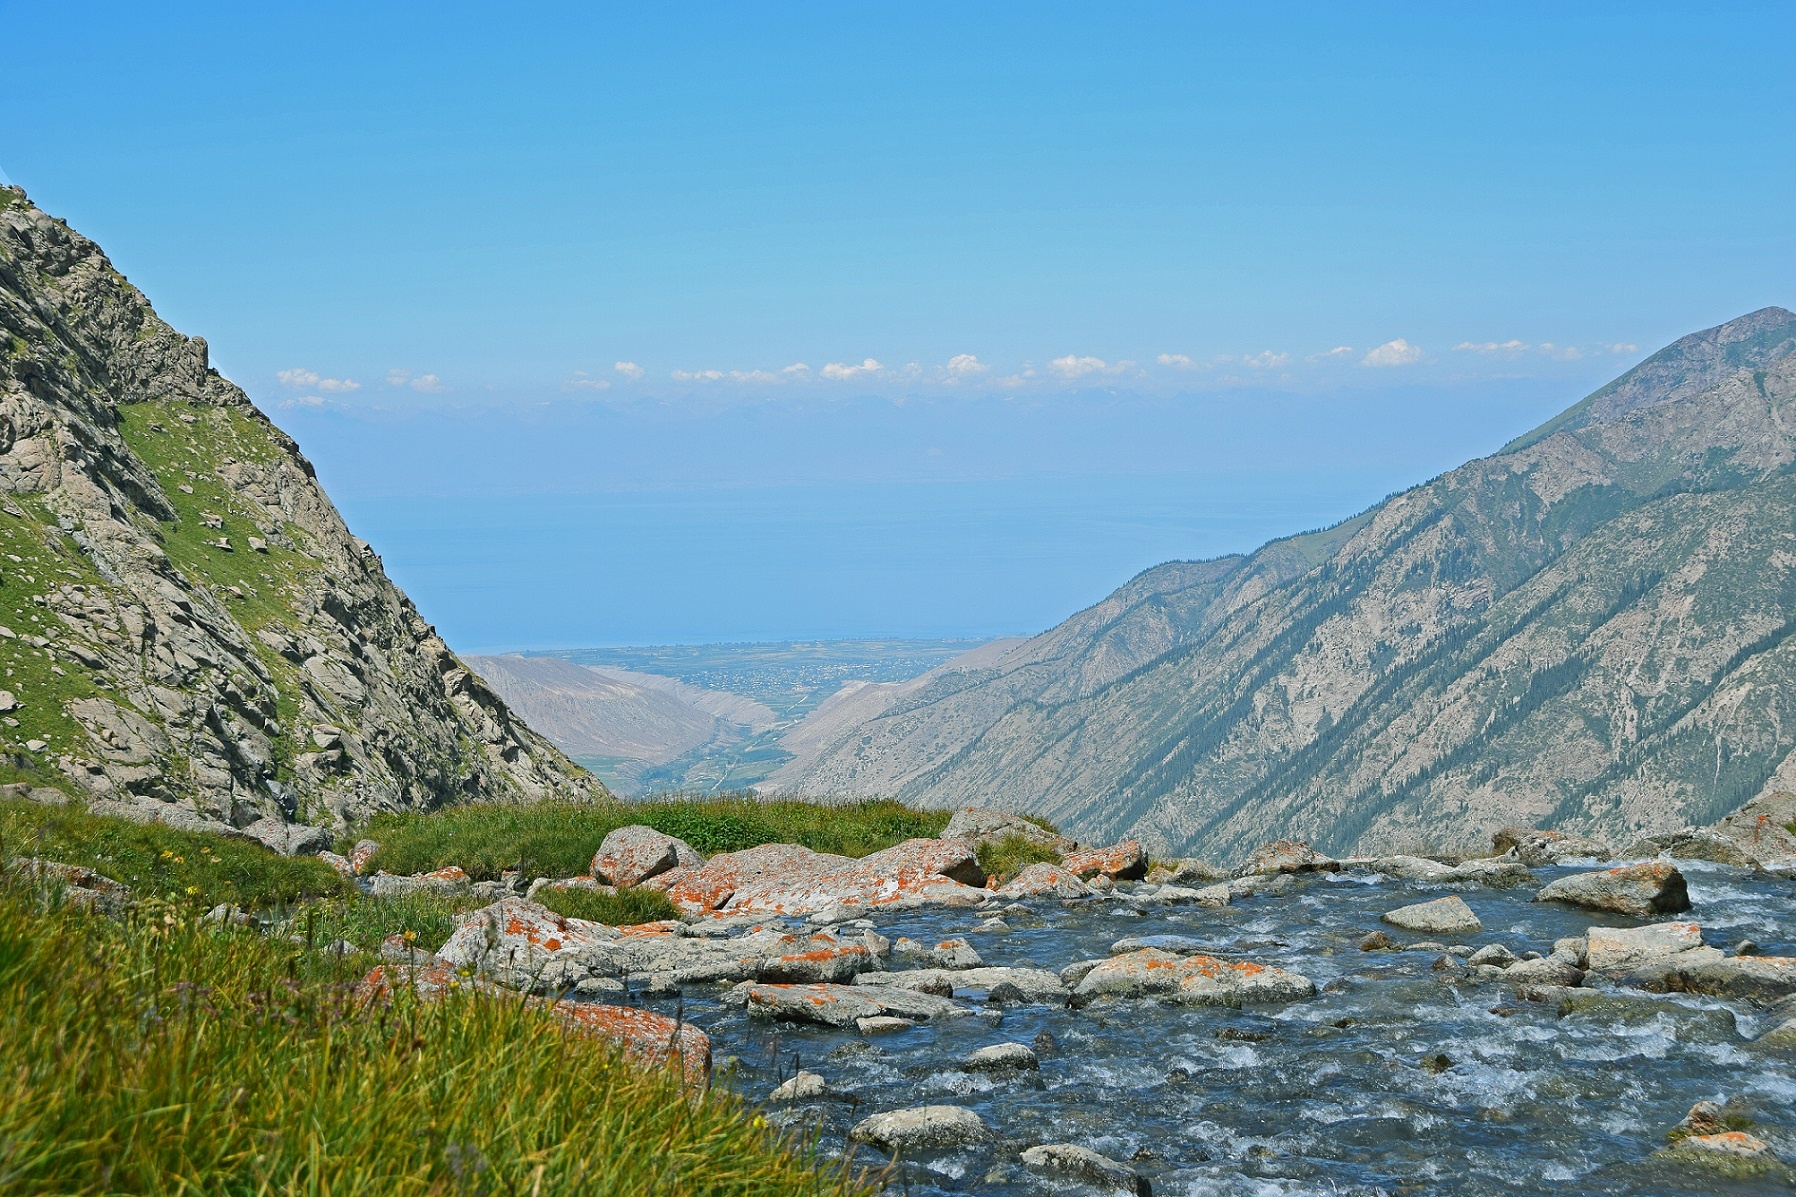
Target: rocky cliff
(1590, 630)
(188, 630)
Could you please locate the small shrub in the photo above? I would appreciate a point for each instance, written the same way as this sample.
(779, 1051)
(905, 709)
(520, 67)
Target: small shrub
(1009, 856)
(623, 908)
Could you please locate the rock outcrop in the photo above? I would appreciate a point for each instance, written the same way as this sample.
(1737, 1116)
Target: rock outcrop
(192, 634)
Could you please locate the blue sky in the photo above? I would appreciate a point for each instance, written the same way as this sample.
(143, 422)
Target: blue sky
(623, 323)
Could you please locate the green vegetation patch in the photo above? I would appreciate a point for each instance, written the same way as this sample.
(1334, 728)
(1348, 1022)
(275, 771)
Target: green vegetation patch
(624, 908)
(558, 839)
(1014, 853)
(190, 868)
(162, 1057)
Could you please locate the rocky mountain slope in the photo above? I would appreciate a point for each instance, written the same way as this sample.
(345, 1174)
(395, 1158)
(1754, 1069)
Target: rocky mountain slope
(1589, 630)
(188, 631)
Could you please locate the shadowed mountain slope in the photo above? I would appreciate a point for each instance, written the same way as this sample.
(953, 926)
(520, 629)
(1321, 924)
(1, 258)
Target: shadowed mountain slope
(1590, 629)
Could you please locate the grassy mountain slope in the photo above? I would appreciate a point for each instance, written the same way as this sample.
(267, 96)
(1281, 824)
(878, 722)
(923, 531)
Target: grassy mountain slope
(187, 629)
(1589, 629)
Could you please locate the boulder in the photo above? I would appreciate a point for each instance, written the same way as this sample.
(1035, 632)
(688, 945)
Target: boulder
(290, 839)
(1186, 872)
(1191, 980)
(361, 854)
(1536, 847)
(646, 1038)
(1184, 945)
(1119, 862)
(1499, 872)
(1001, 1057)
(75, 885)
(1558, 971)
(987, 825)
(1695, 843)
(1703, 970)
(1443, 916)
(1641, 890)
(1287, 856)
(1036, 985)
(1045, 881)
(1494, 955)
(525, 945)
(922, 1128)
(793, 880)
(806, 1086)
(1083, 1166)
(825, 959)
(844, 1005)
(1761, 828)
(339, 863)
(631, 855)
(1613, 949)
(949, 953)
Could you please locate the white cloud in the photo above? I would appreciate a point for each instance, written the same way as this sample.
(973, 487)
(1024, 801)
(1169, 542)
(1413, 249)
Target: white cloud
(965, 365)
(428, 383)
(1490, 347)
(1339, 351)
(299, 378)
(581, 381)
(1267, 360)
(1393, 353)
(1073, 366)
(840, 372)
(1177, 361)
(629, 370)
(796, 370)
(753, 376)
(304, 401)
(697, 375)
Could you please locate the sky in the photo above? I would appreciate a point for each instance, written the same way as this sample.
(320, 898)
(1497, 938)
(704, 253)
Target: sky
(619, 324)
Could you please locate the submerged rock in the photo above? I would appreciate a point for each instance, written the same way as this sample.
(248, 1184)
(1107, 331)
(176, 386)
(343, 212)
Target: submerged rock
(1443, 916)
(1085, 1166)
(921, 1127)
(1035, 985)
(1001, 1057)
(1641, 890)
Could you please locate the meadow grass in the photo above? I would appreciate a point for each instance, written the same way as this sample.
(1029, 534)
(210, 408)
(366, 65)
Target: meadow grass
(1011, 855)
(158, 1056)
(558, 839)
(620, 909)
(190, 868)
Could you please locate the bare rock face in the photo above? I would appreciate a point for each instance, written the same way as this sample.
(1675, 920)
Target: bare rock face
(294, 683)
(1641, 890)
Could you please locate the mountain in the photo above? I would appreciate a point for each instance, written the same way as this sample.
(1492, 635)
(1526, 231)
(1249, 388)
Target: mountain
(589, 711)
(1590, 629)
(190, 633)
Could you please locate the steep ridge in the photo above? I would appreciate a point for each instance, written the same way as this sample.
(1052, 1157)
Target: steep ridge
(1590, 629)
(190, 633)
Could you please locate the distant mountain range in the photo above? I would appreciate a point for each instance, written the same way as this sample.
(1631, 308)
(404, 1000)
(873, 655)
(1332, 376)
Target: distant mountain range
(1590, 629)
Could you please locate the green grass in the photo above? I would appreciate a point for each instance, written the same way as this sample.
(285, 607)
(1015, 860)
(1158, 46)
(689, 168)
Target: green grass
(366, 921)
(558, 839)
(1014, 853)
(621, 909)
(160, 1057)
(189, 868)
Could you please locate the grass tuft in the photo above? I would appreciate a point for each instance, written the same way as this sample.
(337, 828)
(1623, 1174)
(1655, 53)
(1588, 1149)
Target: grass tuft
(1012, 854)
(158, 1056)
(558, 839)
(624, 908)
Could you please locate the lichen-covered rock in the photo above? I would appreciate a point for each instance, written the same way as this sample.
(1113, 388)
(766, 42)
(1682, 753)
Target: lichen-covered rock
(449, 880)
(824, 959)
(793, 880)
(631, 855)
(1119, 862)
(123, 434)
(987, 825)
(1193, 980)
(646, 1038)
(1641, 890)
(339, 863)
(1609, 949)
(1287, 856)
(1085, 1167)
(522, 944)
(842, 1005)
(948, 953)
(1044, 881)
(1443, 916)
(361, 854)
(75, 885)
(921, 1129)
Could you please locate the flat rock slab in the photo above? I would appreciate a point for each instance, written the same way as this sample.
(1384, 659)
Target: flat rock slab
(921, 1128)
(1609, 949)
(1443, 916)
(1045, 881)
(1119, 862)
(1755, 978)
(1184, 945)
(1037, 985)
(1086, 1167)
(1641, 890)
(446, 881)
(844, 1005)
(1496, 873)
(1191, 980)
(631, 855)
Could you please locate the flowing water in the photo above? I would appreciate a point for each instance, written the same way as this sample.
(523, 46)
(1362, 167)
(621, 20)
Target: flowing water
(1328, 1096)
